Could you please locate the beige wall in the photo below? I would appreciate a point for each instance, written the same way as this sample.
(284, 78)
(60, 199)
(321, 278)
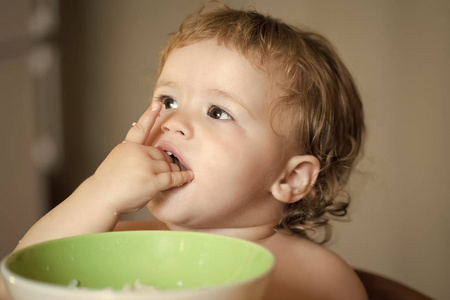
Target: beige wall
(22, 183)
(398, 52)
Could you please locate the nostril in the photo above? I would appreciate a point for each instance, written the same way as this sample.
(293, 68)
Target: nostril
(165, 128)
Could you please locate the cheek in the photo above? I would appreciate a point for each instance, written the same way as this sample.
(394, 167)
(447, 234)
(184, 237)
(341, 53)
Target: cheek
(225, 141)
(244, 160)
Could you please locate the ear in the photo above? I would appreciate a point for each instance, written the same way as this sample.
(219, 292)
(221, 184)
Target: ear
(296, 179)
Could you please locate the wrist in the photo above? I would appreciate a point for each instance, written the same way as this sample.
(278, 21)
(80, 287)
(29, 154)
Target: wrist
(94, 195)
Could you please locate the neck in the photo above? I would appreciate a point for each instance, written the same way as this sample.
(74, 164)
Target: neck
(257, 234)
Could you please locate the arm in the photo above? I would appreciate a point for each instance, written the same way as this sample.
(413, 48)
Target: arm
(126, 181)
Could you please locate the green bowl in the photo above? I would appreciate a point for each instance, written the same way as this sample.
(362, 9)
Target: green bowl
(139, 265)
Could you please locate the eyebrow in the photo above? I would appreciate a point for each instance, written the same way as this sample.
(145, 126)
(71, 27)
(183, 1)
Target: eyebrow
(214, 92)
(165, 83)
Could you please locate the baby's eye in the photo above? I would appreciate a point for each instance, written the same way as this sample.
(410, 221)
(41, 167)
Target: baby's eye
(218, 113)
(168, 103)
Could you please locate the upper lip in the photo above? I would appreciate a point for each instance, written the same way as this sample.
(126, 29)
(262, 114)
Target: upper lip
(168, 147)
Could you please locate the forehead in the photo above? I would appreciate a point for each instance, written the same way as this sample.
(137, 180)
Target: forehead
(208, 65)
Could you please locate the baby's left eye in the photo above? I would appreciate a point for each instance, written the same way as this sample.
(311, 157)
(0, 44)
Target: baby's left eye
(218, 113)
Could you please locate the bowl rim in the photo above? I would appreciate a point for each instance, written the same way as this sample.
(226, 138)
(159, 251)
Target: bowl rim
(12, 278)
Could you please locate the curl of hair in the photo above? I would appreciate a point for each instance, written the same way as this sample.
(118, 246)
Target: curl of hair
(320, 105)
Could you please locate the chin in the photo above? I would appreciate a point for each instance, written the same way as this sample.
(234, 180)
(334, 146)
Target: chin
(169, 208)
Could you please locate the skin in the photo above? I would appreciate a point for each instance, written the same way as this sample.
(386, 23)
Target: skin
(126, 180)
(210, 110)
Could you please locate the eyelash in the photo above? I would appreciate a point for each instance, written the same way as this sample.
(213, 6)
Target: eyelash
(212, 109)
(219, 109)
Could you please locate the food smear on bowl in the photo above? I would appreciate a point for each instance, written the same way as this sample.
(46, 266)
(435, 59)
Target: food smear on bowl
(74, 283)
(136, 286)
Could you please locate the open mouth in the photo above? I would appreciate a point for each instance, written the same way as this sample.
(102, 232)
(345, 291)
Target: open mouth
(176, 161)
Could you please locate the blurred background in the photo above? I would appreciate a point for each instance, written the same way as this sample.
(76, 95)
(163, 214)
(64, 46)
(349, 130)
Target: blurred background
(74, 75)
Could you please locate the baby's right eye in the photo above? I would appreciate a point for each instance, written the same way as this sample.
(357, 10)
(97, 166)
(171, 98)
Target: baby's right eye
(168, 103)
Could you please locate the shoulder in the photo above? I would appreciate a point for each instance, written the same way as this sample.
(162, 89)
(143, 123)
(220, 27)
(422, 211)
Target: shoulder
(311, 271)
(140, 225)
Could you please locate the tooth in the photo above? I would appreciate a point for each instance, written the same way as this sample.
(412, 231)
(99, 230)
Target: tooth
(169, 153)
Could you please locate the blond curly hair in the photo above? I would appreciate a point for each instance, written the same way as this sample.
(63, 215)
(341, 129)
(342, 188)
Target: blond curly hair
(319, 100)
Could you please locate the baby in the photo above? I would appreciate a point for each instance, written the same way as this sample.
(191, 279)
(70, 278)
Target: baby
(252, 132)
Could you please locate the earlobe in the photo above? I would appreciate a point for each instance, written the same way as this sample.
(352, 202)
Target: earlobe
(296, 179)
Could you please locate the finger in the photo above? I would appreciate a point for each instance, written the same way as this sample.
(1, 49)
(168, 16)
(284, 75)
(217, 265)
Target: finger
(157, 154)
(167, 157)
(140, 130)
(173, 179)
(174, 167)
(164, 167)
(161, 155)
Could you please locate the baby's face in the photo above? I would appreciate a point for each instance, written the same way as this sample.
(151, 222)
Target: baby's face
(215, 120)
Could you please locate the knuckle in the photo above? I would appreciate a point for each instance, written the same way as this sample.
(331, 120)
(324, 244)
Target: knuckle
(167, 179)
(137, 126)
(135, 133)
(172, 178)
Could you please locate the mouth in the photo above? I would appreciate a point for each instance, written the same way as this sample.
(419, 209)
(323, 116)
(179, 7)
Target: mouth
(176, 161)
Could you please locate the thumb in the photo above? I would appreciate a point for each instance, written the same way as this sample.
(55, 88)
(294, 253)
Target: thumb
(140, 130)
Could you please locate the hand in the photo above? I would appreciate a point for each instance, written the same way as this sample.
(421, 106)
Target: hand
(134, 173)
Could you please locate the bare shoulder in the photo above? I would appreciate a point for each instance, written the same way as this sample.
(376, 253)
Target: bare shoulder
(311, 271)
(140, 225)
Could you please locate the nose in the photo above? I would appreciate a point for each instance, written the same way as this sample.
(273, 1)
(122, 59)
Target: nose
(179, 124)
